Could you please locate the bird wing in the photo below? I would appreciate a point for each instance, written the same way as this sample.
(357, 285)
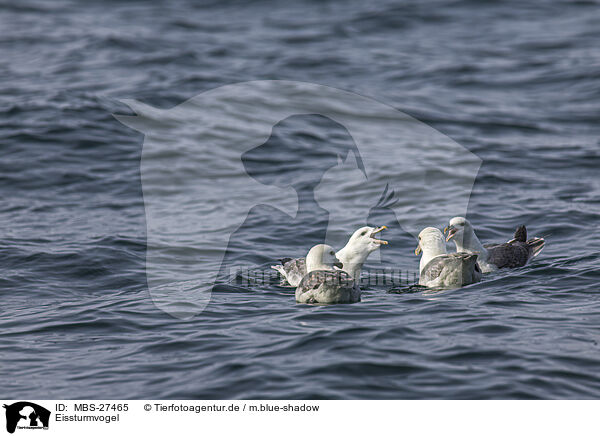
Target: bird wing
(436, 266)
(317, 286)
(508, 255)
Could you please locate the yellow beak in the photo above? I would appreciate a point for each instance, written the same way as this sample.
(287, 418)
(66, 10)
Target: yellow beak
(418, 250)
(377, 230)
(451, 230)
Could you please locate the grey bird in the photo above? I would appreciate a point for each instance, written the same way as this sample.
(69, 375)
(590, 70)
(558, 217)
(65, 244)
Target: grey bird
(439, 269)
(511, 254)
(323, 283)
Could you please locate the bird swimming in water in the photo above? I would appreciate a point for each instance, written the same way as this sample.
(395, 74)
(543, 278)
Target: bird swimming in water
(439, 269)
(323, 283)
(512, 254)
(354, 254)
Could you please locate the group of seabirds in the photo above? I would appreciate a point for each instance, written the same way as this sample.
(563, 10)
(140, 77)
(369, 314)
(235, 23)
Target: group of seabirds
(328, 277)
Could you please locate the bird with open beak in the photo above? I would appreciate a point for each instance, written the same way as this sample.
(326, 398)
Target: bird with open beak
(354, 254)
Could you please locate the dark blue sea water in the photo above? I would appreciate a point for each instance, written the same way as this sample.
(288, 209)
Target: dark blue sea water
(516, 83)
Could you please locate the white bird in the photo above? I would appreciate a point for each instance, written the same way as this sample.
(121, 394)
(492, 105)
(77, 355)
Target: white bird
(512, 254)
(324, 284)
(438, 269)
(354, 254)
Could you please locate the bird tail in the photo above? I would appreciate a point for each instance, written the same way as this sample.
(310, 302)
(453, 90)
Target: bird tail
(279, 268)
(536, 245)
(520, 235)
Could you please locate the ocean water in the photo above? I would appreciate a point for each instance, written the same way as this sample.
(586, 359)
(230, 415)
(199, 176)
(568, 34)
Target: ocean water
(518, 85)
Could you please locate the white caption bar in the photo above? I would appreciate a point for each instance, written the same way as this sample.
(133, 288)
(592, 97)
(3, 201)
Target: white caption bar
(265, 418)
